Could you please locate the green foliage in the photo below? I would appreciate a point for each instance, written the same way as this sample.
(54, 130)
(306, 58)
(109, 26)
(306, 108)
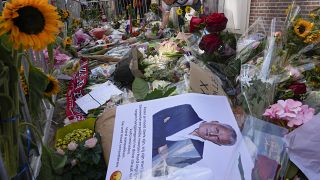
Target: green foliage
(86, 124)
(160, 93)
(50, 54)
(140, 88)
(38, 82)
(154, 7)
(52, 164)
(89, 163)
(251, 99)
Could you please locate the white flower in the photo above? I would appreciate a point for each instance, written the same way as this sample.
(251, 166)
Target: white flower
(74, 162)
(91, 143)
(72, 146)
(60, 151)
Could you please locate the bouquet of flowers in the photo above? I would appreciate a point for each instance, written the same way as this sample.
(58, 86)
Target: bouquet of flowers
(294, 112)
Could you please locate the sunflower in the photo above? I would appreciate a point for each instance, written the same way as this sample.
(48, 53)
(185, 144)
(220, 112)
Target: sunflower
(188, 9)
(65, 14)
(75, 22)
(312, 38)
(67, 41)
(303, 27)
(52, 87)
(179, 11)
(31, 23)
(23, 82)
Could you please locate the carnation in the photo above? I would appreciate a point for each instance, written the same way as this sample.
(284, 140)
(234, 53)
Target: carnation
(290, 110)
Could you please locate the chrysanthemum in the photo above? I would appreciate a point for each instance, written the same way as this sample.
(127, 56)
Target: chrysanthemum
(52, 87)
(179, 11)
(188, 9)
(31, 23)
(302, 28)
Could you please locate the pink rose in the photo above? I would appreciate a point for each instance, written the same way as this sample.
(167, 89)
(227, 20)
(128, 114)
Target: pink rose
(72, 146)
(60, 151)
(91, 143)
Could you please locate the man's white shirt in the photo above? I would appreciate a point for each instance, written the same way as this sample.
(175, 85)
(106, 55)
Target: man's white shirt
(185, 134)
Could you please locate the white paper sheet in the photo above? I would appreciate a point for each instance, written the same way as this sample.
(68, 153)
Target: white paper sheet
(98, 96)
(140, 133)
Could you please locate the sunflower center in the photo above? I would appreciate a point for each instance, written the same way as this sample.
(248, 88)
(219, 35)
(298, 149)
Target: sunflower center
(49, 87)
(302, 29)
(30, 20)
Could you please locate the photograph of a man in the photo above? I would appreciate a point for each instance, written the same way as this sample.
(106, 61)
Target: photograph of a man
(179, 135)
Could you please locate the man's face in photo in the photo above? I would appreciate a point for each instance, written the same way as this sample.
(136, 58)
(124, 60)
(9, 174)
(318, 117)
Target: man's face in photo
(214, 132)
(169, 2)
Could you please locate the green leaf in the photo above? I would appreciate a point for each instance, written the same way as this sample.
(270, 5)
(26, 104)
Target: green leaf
(155, 94)
(140, 88)
(96, 158)
(51, 165)
(5, 42)
(159, 93)
(169, 91)
(6, 104)
(38, 82)
(292, 170)
(50, 54)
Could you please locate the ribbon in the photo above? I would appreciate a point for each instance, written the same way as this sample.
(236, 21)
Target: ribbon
(75, 91)
(11, 119)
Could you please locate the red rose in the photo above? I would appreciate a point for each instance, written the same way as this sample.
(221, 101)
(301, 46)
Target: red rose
(298, 88)
(216, 22)
(210, 43)
(195, 23)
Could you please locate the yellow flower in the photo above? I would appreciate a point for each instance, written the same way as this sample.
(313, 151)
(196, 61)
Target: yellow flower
(312, 38)
(52, 87)
(188, 9)
(67, 41)
(179, 11)
(312, 15)
(201, 10)
(23, 82)
(303, 28)
(65, 14)
(75, 22)
(30, 23)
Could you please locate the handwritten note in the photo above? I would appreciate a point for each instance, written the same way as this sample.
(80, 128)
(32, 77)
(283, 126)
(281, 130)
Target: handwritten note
(204, 81)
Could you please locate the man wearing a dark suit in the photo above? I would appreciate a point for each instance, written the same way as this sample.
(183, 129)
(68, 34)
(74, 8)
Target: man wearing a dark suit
(179, 135)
